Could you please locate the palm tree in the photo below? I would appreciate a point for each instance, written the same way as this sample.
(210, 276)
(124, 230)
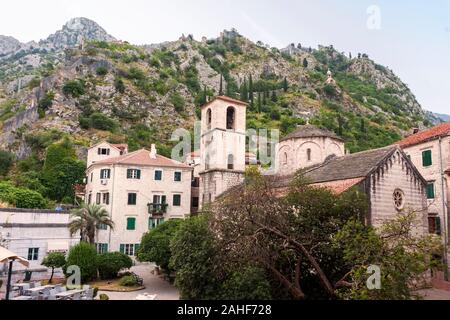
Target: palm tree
(88, 220)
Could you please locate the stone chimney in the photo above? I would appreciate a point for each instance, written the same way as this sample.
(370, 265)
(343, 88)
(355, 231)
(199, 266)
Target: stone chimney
(153, 152)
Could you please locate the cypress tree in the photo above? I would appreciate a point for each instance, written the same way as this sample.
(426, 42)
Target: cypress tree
(274, 96)
(259, 102)
(250, 89)
(285, 85)
(305, 63)
(221, 86)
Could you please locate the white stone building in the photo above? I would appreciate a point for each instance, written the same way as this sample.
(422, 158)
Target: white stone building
(140, 190)
(33, 234)
(429, 150)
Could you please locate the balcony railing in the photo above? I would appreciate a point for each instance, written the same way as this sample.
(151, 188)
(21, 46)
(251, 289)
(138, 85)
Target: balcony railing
(157, 209)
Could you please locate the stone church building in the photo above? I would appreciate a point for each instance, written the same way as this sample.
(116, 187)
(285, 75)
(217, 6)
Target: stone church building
(387, 176)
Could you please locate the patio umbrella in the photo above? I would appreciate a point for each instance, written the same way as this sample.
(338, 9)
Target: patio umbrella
(9, 256)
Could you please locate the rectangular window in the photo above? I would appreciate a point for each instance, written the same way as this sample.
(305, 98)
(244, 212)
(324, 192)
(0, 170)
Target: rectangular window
(90, 198)
(195, 202)
(105, 174)
(430, 191)
(33, 254)
(158, 175)
(102, 226)
(103, 151)
(153, 223)
(106, 198)
(434, 225)
(101, 247)
(177, 177)
(134, 174)
(176, 200)
(92, 176)
(132, 199)
(131, 224)
(128, 249)
(98, 198)
(427, 158)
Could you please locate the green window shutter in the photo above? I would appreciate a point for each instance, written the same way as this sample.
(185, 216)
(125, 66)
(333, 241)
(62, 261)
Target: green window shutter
(430, 191)
(131, 224)
(164, 200)
(136, 248)
(129, 174)
(122, 248)
(158, 175)
(438, 226)
(427, 159)
(132, 199)
(138, 174)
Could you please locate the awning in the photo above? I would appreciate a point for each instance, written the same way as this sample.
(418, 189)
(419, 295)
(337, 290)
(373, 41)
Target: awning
(57, 246)
(6, 255)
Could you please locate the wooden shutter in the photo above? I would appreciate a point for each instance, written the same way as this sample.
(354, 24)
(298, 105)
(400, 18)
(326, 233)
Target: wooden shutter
(427, 158)
(430, 191)
(122, 248)
(136, 248)
(131, 223)
(438, 226)
(138, 174)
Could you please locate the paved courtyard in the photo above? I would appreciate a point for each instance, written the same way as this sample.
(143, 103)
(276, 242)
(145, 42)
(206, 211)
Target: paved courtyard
(153, 285)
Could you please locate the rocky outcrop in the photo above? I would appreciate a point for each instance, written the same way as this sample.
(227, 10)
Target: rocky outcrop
(8, 45)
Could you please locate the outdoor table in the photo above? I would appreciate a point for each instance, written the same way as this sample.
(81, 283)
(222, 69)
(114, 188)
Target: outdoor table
(38, 289)
(68, 294)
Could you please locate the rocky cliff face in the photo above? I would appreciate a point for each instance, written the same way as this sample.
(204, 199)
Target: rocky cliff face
(8, 45)
(138, 95)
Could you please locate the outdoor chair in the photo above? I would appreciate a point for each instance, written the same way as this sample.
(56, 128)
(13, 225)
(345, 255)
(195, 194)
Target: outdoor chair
(89, 295)
(28, 276)
(76, 297)
(63, 289)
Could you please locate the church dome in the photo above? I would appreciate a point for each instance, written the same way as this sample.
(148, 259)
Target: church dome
(309, 131)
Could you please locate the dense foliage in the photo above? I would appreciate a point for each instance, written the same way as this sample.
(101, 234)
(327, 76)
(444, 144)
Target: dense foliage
(111, 263)
(84, 255)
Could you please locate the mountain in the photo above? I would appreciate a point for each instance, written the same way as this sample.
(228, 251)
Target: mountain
(74, 32)
(83, 85)
(443, 117)
(8, 45)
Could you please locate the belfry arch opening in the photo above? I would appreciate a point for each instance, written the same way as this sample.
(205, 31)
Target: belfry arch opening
(231, 118)
(208, 118)
(230, 162)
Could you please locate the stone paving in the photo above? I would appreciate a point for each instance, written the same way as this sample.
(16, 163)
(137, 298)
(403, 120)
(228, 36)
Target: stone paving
(153, 285)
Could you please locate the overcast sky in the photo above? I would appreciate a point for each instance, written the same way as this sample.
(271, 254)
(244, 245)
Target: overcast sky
(411, 37)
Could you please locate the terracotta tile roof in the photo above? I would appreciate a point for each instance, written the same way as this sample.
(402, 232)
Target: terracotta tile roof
(227, 99)
(308, 131)
(120, 146)
(142, 158)
(426, 135)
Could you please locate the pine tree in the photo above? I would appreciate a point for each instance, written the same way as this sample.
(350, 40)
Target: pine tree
(305, 63)
(221, 86)
(285, 85)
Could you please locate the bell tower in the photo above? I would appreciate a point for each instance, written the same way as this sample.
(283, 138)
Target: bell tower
(222, 146)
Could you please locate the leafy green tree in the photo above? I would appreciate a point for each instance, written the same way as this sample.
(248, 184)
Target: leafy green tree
(102, 122)
(60, 183)
(402, 256)
(251, 90)
(21, 197)
(6, 161)
(155, 245)
(111, 263)
(74, 88)
(250, 283)
(193, 251)
(244, 91)
(87, 220)
(54, 260)
(83, 255)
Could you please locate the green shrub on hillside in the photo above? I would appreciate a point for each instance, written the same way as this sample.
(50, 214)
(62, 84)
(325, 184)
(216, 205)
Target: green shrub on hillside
(74, 88)
(21, 197)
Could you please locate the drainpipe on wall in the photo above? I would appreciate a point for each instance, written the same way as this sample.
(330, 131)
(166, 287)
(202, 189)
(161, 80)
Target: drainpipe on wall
(112, 204)
(444, 209)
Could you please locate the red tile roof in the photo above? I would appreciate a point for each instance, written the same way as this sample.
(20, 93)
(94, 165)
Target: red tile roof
(142, 158)
(426, 135)
(227, 99)
(120, 146)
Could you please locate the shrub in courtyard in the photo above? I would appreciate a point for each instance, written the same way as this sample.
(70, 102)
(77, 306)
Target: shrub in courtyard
(111, 263)
(128, 281)
(84, 255)
(155, 245)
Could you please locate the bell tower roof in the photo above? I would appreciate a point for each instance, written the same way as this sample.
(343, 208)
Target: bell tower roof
(226, 99)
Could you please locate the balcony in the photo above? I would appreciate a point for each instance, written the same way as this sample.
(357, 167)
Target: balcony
(157, 209)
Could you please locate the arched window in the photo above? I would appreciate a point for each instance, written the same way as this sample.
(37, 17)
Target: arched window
(230, 162)
(231, 118)
(208, 118)
(284, 159)
(308, 154)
